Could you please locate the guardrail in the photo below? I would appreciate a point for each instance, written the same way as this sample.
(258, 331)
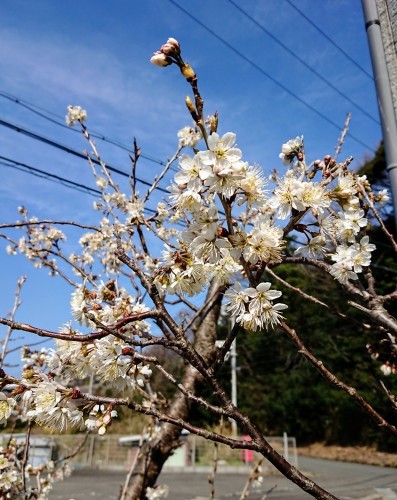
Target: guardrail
(117, 452)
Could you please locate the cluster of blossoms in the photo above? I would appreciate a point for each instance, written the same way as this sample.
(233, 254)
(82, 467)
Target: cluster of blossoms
(38, 480)
(189, 136)
(39, 241)
(206, 250)
(294, 194)
(75, 114)
(43, 391)
(233, 228)
(350, 259)
(254, 308)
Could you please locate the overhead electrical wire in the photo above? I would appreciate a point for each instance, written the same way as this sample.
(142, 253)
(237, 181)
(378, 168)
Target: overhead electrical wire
(23, 167)
(324, 34)
(268, 75)
(71, 151)
(303, 62)
(44, 174)
(43, 113)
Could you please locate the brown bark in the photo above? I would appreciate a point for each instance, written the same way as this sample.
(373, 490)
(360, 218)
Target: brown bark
(155, 452)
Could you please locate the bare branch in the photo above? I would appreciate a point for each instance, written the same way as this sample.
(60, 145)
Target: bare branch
(16, 305)
(351, 391)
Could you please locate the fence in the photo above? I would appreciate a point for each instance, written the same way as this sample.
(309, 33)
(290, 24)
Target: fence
(195, 453)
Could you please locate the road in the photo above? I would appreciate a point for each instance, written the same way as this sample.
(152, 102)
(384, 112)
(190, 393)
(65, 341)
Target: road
(342, 479)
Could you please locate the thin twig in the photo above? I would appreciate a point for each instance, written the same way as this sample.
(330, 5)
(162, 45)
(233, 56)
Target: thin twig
(341, 139)
(332, 379)
(253, 475)
(73, 453)
(17, 303)
(162, 174)
(25, 457)
(378, 217)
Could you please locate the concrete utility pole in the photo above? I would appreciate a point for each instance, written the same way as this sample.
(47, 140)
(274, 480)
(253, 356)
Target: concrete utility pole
(233, 365)
(385, 101)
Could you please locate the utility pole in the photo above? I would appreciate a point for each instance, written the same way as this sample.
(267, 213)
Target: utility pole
(383, 90)
(233, 366)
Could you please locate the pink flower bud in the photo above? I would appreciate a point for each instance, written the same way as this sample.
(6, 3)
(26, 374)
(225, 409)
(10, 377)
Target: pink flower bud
(107, 419)
(171, 47)
(160, 59)
(102, 430)
(175, 43)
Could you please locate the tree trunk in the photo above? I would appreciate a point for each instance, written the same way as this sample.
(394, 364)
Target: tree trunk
(155, 452)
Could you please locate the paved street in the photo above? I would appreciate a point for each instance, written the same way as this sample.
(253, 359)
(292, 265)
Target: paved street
(344, 480)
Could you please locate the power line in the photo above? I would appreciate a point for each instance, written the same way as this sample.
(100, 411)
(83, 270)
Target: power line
(330, 40)
(302, 61)
(23, 167)
(43, 113)
(265, 73)
(44, 174)
(71, 151)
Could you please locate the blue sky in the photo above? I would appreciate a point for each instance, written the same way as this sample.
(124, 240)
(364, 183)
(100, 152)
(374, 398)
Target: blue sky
(96, 54)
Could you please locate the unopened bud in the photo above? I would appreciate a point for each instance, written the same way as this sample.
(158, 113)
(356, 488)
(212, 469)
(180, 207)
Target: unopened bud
(213, 121)
(300, 156)
(76, 394)
(102, 430)
(127, 351)
(190, 106)
(107, 419)
(327, 159)
(171, 47)
(187, 71)
(160, 59)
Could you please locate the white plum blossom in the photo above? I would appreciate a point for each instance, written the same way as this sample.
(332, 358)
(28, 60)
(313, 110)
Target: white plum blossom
(383, 197)
(222, 156)
(75, 114)
(346, 191)
(61, 418)
(252, 183)
(349, 223)
(157, 492)
(253, 308)
(263, 243)
(46, 397)
(292, 193)
(6, 407)
(218, 224)
(387, 369)
(350, 259)
(189, 173)
(224, 270)
(315, 248)
(189, 136)
(290, 149)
